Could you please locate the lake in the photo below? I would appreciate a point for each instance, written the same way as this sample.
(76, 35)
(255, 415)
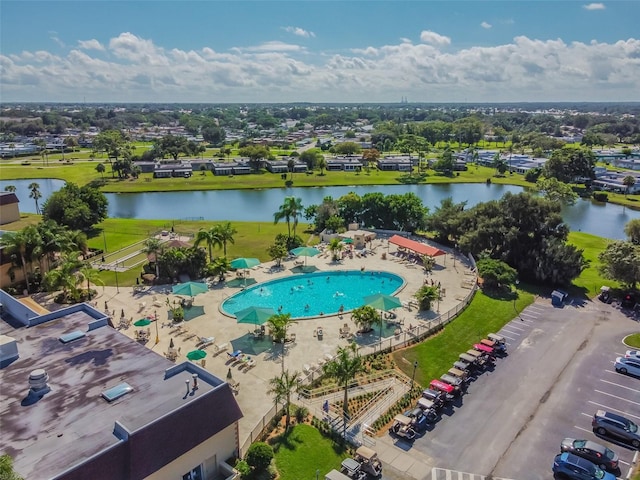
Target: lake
(605, 220)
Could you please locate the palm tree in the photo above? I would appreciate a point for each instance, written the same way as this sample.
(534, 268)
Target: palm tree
(279, 324)
(291, 165)
(211, 237)
(290, 210)
(64, 276)
(10, 188)
(34, 187)
(427, 295)
(628, 181)
(335, 247)
(225, 233)
(344, 368)
(91, 275)
(365, 317)
(281, 388)
(152, 246)
(15, 243)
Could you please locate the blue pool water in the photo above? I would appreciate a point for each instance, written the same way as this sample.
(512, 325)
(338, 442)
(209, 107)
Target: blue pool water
(311, 294)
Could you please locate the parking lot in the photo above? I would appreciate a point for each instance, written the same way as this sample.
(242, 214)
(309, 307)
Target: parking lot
(559, 371)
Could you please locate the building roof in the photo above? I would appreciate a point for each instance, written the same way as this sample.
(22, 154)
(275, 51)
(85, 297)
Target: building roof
(74, 427)
(417, 247)
(7, 198)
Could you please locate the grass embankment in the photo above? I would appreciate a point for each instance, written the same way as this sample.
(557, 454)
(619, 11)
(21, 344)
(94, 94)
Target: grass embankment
(303, 451)
(484, 315)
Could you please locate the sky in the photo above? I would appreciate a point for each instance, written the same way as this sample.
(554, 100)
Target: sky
(358, 51)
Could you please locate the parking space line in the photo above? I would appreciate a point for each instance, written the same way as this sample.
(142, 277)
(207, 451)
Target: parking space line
(506, 336)
(512, 333)
(536, 307)
(619, 398)
(615, 410)
(583, 429)
(623, 462)
(618, 385)
(586, 414)
(527, 314)
(517, 328)
(619, 355)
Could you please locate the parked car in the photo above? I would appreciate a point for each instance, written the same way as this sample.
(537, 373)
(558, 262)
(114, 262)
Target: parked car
(613, 425)
(632, 354)
(628, 365)
(568, 465)
(602, 456)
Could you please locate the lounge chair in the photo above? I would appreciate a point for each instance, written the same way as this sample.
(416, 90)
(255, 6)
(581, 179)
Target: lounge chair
(218, 349)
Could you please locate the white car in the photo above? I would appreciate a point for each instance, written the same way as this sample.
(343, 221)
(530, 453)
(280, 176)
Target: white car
(635, 354)
(628, 365)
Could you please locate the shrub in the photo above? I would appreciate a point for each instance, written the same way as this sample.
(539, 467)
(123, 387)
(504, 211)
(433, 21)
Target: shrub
(259, 456)
(600, 196)
(243, 469)
(301, 414)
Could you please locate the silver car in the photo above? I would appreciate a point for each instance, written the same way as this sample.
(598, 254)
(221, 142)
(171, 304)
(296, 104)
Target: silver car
(628, 365)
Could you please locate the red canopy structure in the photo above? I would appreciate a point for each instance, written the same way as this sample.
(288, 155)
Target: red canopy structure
(417, 247)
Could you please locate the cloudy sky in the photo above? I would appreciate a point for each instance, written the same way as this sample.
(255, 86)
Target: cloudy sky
(319, 51)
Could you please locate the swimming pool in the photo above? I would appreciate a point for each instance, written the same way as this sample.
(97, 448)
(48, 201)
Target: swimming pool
(313, 294)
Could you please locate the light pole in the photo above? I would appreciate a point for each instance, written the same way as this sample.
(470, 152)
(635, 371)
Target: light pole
(155, 314)
(515, 297)
(116, 270)
(413, 377)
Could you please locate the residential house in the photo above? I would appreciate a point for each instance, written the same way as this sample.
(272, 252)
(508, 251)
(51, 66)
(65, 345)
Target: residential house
(9, 210)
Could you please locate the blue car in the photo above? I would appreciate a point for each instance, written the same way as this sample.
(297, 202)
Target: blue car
(570, 466)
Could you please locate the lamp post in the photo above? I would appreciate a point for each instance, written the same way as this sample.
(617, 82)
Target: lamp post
(515, 297)
(155, 314)
(116, 271)
(413, 376)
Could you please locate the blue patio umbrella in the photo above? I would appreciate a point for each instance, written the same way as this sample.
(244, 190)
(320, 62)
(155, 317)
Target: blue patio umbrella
(190, 288)
(254, 315)
(240, 263)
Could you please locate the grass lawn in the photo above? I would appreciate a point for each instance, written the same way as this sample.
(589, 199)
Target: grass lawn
(484, 315)
(590, 280)
(305, 450)
(633, 340)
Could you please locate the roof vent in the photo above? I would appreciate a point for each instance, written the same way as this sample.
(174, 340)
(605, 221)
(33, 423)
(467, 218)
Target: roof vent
(38, 382)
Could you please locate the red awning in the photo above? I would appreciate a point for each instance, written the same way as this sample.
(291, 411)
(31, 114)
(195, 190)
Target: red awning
(417, 247)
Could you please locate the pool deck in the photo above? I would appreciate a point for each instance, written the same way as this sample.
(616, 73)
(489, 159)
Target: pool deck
(454, 276)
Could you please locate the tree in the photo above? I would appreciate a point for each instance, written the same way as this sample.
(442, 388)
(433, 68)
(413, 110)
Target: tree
(6, 468)
(556, 191)
(10, 188)
(347, 148)
(310, 157)
(444, 220)
(632, 230)
(281, 388)
(495, 273)
(628, 181)
(225, 233)
(219, 267)
(15, 243)
(291, 163)
(76, 207)
(499, 163)
(172, 145)
(35, 193)
(279, 324)
(214, 135)
(290, 210)
(426, 295)
(446, 163)
(113, 143)
(64, 276)
(344, 368)
(100, 168)
(255, 153)
(90, 275)
(335, 247)
(211, 237)
(621, 261)
(153, 246)
(259, 456)
(570, 165)
(365, 317)
(277, 252)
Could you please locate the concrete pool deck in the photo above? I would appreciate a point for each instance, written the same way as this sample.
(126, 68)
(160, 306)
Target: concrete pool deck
(454, 276)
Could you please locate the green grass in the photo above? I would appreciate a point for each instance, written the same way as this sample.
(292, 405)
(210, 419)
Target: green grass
(633, 340)
(303, 451)
(590, 280)
(484, 315)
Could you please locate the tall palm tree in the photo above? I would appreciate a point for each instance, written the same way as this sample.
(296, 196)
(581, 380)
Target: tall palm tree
(211, 237)
(90, 275)
(64, 276)
(335, 247)
(290, 210)
(220, 266)
(152, 246)
(16, 243)
(344, 368)
(34, 187)
(225, 235)
(281, 388)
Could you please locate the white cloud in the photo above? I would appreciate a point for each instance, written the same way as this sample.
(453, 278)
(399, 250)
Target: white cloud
(53, 35)
(300, 32)
(92, 44)
(594, 6)
(486, 25)
(427, 36)
(136, 69)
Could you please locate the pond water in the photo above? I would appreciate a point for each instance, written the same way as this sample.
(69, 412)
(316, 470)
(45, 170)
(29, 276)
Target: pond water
(314, 294)
(605, 220)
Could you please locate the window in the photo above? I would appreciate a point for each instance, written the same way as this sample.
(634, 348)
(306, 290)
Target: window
(195, 474)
